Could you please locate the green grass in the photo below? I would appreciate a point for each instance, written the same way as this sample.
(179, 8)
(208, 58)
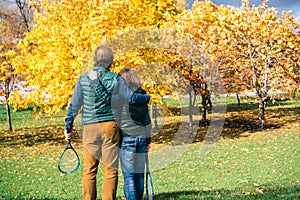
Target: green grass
(264, 167)
(246, 163)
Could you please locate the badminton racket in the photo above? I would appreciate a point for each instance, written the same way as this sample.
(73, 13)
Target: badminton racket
(68, 161)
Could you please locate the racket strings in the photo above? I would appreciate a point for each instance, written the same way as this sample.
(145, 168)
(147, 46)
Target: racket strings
(68, 161)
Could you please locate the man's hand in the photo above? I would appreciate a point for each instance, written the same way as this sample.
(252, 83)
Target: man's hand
(148, 148)
(68, 136)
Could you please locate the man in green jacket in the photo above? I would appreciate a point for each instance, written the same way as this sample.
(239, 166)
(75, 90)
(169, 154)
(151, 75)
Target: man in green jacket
(101, 138)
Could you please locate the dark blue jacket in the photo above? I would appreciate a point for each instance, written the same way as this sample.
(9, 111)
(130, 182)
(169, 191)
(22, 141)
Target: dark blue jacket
(132, 118)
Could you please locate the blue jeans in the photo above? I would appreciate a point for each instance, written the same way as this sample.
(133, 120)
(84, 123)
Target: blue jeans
(133, 157)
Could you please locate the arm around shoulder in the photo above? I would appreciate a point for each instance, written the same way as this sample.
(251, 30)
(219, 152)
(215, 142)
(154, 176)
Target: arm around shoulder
(129, 96)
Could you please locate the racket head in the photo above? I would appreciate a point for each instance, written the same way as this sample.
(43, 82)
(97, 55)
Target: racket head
(69, 160)
(149, 187)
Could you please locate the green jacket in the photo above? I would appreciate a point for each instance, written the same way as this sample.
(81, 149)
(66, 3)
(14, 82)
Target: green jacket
(97, 99)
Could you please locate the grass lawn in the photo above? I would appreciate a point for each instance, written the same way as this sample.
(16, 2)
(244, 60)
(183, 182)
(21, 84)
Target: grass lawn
(245, 163)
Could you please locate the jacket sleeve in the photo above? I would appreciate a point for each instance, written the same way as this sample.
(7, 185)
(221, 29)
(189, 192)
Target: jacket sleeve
(129, 96)
(74, 107)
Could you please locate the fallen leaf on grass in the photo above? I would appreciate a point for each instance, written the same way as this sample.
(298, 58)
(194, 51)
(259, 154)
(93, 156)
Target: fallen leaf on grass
(218, 162)
(259, 190)
(245, 149)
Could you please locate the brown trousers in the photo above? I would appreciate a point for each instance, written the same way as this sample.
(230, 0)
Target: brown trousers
(100, 141)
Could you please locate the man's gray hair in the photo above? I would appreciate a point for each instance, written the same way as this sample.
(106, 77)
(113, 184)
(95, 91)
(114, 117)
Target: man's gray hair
(103, 56)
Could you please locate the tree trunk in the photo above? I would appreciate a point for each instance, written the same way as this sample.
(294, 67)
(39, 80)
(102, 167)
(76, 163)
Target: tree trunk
(8, 116)
(191, 107)
(238, 99)
(154, 116)
(204, 108)
(262, 106)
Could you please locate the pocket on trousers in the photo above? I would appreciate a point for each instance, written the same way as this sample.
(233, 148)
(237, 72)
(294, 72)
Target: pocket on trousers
(111, 131)
(128, 144)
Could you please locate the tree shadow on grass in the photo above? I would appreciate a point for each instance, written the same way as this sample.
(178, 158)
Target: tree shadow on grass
(31, 129)
(237, 122)
(255, 106)
(234, 127)
(34, 136)
(272, 193)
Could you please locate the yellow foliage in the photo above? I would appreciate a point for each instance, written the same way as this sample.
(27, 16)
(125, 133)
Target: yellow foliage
(66, 32)
(251, 44)
(6, 69)
(247, 45)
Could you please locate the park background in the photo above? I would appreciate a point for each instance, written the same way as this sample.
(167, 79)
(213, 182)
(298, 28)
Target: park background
(244, 59)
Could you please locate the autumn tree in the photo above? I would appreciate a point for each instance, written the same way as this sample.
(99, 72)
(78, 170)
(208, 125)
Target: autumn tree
(57, 49)
(265, 46)
(253, 47)
(7, 82)
(25, 13)
(200, 25)
(12, 26)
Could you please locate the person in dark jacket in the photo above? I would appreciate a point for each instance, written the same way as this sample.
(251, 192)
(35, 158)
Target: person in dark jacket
(101, 138)
(135, 124)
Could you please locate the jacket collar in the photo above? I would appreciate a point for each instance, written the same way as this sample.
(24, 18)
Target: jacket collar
(100, 68)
